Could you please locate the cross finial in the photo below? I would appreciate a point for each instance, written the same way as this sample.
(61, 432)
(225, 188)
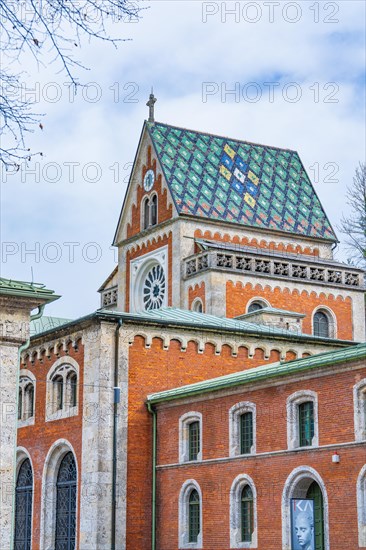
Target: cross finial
(150, 104)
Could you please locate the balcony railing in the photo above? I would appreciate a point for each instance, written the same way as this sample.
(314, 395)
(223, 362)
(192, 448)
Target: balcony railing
(272, 267)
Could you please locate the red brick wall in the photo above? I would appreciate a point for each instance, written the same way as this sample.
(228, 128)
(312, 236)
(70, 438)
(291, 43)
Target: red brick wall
(165, 211)
(238, 296)
(150, 245)
(268, 473)
(246, 241)
(197, 291)
(152, 370)
(38, 439)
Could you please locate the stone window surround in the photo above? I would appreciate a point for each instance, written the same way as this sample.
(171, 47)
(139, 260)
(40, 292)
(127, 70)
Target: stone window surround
(296, 486)
(26, 377)
(235, 516)
(361, 507)
(332, 320)
(49, 491)
(139, 267)
(21, 455)
(359, 402)
(63, 366)
(184, 422)
(292, 410)
(234, 427)
(183, 527)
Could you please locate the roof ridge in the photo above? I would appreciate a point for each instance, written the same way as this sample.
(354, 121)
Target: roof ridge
(223, 137)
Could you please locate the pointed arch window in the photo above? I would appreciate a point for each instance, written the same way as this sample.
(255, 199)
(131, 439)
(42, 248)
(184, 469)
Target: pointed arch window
(65, 537)
(23, 507)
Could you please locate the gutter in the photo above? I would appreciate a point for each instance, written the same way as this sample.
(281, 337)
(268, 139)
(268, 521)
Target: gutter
(21, 348)
(153, 498)
(116, 400)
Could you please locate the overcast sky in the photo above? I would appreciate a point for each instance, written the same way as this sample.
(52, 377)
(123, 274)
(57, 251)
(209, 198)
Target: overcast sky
(296, 75)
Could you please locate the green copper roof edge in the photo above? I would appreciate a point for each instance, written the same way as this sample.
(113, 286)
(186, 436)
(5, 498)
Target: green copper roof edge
(28, 290)
(260, 331)
(259, 373)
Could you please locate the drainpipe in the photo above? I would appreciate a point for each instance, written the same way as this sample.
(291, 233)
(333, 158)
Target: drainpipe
(153, 500)
(21, 348)
(116, 400)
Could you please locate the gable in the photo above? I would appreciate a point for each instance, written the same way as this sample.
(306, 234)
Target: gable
(239, 182)
(129, 223)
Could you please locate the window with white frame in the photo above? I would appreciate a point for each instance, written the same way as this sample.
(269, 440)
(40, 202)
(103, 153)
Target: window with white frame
(361, 507)
(324, 323)
(190, 515)
(26, 399)
(302, 420)
(243, 513)
(242, 429)
(190, 437)
(359, 400)
(62, 389)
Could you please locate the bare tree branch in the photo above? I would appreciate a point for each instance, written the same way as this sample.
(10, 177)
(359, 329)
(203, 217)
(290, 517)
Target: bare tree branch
(58, 26)
(354, 226)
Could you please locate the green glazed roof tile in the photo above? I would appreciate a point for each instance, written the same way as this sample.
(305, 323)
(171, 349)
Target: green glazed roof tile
(259, 180)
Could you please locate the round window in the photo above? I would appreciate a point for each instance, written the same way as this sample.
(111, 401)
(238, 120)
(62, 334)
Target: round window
(154, 288)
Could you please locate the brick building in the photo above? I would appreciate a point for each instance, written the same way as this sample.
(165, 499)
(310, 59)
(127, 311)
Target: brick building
(225, 272)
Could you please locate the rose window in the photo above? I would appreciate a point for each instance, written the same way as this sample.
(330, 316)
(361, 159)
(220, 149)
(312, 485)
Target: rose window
(154, 288)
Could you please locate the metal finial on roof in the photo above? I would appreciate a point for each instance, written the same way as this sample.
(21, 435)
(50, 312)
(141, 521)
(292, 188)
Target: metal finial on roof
(150, 104)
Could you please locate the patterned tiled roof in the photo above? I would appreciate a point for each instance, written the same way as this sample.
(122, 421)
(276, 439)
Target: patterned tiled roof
(236, 181)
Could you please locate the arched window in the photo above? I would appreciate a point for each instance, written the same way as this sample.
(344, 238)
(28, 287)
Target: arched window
(243, 513)
(305, 483)
(190, 515)
(359, 401)
(72, 389)
(190, 437)
(246, 514)
(197, 305)
(154, 209)
(321, 324)
(302, 419)
(23, 507)
(26, 398)
(242, 428)
(146, 213)
(194, 516)
(29, 400)
(58, 392)
(256, 305)
(66, 504)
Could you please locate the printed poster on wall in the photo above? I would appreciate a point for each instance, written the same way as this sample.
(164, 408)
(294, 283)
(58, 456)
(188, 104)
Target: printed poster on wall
(302, 524)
